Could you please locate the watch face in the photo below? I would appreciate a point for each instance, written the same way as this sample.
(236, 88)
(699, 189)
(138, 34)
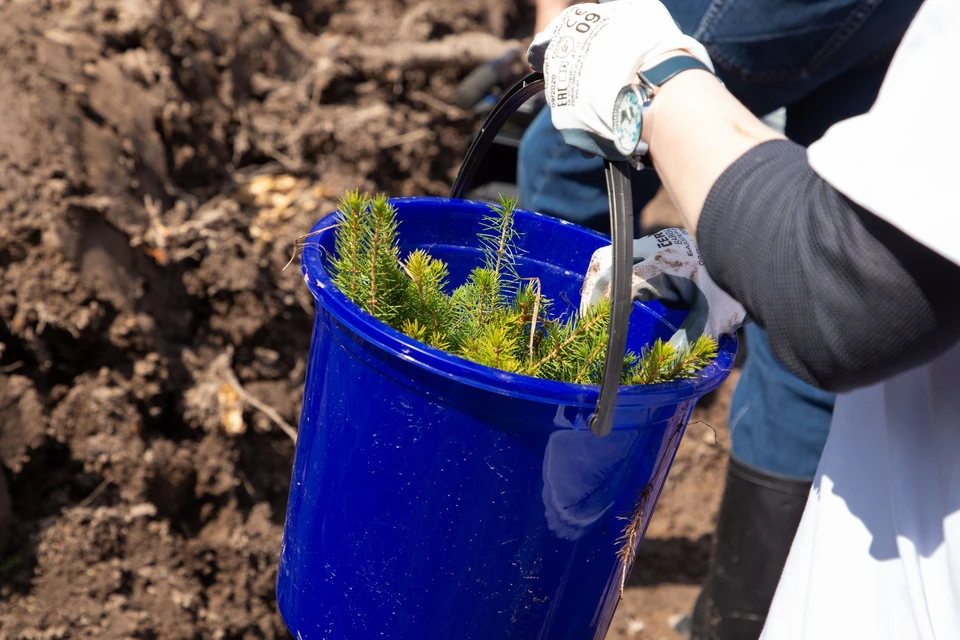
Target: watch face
(628, 119)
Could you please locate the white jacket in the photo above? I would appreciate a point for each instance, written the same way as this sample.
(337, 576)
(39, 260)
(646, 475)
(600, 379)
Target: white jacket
(877, 554)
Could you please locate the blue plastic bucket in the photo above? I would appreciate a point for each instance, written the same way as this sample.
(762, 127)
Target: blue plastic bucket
(435, 498)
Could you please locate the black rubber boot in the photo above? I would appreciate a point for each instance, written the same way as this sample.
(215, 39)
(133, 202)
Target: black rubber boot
(759, 516)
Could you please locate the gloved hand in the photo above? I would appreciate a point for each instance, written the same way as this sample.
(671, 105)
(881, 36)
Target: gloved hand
(667, 267)
(589, 52)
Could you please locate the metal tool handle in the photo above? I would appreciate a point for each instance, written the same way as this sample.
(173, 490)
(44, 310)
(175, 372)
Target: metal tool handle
(621, 234)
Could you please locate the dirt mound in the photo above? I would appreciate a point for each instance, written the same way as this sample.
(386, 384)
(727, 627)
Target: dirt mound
(157, 160)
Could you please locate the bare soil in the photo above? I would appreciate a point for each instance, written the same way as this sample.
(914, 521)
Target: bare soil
(158, 160)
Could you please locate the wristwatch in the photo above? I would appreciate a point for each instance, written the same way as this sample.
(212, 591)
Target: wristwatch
(635, 98)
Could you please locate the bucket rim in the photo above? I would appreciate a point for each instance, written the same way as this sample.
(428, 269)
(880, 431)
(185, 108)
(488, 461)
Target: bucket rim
(380, 335)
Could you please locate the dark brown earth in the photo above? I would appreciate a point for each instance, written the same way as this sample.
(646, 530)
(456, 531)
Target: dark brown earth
(158, 160)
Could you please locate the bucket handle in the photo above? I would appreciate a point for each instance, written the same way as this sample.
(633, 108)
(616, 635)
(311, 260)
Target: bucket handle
(621, 234)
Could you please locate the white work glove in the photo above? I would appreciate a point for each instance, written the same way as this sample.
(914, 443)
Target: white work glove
(667, 267)
(589, 52)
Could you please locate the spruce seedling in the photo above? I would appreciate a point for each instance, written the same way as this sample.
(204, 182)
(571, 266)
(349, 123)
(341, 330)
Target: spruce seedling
(427, 306)
(347, 264)
(499, 243)
(662, 362)
(496, 318)
(569, 351)
(366, 265)
(387, 285)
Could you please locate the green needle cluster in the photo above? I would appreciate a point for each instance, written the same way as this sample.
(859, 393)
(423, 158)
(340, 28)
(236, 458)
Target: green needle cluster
(496, 318)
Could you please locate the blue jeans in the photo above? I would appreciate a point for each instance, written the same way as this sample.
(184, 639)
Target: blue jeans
(823, 60)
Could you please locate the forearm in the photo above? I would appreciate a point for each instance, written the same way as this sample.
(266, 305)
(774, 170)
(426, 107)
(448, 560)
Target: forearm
(846, 299)
(698, 129)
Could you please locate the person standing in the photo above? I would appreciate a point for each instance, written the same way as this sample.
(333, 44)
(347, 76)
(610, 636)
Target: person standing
(847, 254)
(823, 61)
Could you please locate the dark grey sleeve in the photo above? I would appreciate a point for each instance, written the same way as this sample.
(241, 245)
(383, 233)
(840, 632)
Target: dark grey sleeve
(846, 299)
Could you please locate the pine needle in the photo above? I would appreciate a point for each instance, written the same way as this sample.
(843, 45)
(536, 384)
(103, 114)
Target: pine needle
(534, 314)
(627, 542)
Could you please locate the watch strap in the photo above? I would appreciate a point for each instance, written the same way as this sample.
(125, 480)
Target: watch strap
(658, 74)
